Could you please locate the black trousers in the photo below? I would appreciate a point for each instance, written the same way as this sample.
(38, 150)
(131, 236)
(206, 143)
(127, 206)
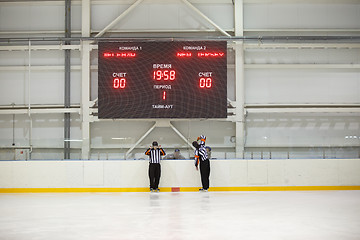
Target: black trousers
(154, 175)
(205, 173)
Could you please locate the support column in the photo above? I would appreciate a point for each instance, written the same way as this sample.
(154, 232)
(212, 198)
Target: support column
(85, 99)
(239, 18)
(85, 81)
(240, 100)
(239, 80)
(67, 80)
(85, 18)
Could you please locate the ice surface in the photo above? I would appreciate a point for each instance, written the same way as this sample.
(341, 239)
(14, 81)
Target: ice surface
(284, 215)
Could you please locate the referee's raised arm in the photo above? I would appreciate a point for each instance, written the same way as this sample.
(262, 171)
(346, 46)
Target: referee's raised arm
(154, 152)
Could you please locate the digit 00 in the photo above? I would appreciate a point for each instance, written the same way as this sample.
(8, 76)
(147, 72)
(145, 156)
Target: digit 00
(119, 83)
(205, 82)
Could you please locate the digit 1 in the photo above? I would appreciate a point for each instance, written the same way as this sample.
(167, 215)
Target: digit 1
(164, 95)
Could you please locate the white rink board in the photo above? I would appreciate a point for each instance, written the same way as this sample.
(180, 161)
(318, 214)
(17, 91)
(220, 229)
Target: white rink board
(179, 173)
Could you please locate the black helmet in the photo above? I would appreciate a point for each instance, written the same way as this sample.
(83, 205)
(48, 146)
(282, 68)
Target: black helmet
(155, 143)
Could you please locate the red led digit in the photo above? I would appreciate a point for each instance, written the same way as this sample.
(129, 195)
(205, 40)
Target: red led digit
(164, 95)
(166, 75)
(155, 75)
(159, 74)
(119, 83)
(116, 83)
(172, 75)
(122, 82)
(202, 82)
(208, 83)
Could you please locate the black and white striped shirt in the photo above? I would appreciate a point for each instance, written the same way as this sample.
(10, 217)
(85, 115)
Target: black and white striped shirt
(200, 154)
(155, 154)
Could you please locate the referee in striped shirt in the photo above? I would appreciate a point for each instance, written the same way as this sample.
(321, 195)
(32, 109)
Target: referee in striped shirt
(154, 152)
(202, 159)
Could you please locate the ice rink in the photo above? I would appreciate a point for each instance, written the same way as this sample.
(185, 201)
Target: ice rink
(330, 215)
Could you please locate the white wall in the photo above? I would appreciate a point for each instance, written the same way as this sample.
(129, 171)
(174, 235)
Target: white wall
(301, 15)
(274, 130)
(179, 173)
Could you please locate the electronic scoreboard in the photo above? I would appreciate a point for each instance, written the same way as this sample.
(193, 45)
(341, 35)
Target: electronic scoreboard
(162, 79)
